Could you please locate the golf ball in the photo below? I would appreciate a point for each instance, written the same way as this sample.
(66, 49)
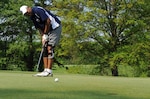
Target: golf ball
(56, 79)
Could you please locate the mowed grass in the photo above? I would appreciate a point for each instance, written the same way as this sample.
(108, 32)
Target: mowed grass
(22, 85)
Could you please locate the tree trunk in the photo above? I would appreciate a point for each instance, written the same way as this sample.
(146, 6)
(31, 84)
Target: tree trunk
(114, 71)
(30, 63)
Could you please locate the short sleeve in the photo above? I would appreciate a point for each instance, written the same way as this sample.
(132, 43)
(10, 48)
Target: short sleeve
(41, 13)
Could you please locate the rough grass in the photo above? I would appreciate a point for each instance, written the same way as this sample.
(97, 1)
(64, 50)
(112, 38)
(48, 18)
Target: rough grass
(21, 85)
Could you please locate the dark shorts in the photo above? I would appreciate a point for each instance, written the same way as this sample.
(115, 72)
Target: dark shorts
(54, 36)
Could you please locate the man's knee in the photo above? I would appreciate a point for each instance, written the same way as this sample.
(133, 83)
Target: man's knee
(45, 52)
(50, 50)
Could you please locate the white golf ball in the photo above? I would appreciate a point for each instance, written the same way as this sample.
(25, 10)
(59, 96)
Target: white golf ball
(56, 79)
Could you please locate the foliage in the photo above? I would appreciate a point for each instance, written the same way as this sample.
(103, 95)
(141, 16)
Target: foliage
(106, 33)
(13, 34)
(137, 56)
(16, 50)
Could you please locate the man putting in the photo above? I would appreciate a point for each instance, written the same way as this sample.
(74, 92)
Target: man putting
(49, 27)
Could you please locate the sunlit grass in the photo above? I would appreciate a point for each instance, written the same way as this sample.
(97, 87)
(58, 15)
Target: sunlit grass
(22, 85)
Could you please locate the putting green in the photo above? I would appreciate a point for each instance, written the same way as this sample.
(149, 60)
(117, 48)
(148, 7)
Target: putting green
(22, 85)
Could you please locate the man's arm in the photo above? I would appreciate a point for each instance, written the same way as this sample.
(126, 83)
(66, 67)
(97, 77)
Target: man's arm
(46, 30)
(47, 26)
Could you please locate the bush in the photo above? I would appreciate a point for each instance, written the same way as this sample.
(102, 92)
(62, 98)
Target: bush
(126, 71)
(89, 69)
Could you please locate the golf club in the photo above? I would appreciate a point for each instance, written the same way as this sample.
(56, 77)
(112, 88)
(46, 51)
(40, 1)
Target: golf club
(38, 65)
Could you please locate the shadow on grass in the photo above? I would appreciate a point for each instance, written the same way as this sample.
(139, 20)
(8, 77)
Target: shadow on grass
(40, 94)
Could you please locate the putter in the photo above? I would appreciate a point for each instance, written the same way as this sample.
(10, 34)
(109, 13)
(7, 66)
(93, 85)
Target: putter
(39, 61)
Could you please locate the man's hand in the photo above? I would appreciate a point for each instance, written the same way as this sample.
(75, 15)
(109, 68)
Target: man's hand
(44, 38)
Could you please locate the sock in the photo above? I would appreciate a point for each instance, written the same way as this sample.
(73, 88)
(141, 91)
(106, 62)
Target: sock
(45, 69)
(49, 70)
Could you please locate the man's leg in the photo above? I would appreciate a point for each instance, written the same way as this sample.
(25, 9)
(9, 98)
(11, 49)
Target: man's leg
(46, 71)
(50, 59)
(45, 61)
(50, 63)
(54, 37)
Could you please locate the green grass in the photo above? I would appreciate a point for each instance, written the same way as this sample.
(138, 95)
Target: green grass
(21, 85)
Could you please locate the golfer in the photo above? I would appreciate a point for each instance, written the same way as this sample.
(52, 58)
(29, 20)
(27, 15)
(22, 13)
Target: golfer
(49, 27)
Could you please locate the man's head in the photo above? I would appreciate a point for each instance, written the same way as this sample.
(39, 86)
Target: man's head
(26, 10)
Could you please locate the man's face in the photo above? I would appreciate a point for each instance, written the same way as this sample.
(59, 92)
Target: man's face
(29, 12)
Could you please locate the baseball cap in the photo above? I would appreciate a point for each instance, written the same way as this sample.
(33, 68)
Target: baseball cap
(23, 9)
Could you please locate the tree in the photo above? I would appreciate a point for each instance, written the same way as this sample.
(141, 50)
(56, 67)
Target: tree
(98, 28)
(120, 24)
(136, 54)
(102, 32)
(13, 31)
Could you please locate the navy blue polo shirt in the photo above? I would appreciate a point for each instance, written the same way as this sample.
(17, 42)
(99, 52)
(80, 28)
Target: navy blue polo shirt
(39, 17)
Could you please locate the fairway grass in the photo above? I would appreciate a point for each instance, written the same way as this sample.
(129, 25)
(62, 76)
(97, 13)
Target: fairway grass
(22, 85)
